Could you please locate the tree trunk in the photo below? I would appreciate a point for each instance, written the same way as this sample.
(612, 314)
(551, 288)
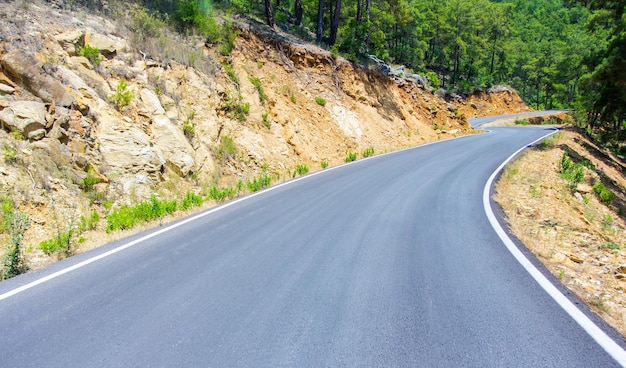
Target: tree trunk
(320, 22)
(269, 14)
(334, 24)
(297, 10)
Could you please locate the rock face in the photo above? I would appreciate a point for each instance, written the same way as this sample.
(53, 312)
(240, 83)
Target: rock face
(27, 117)
(27, 69)
(170, 140)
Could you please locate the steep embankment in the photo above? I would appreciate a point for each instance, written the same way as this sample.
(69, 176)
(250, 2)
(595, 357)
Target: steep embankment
(84, 135)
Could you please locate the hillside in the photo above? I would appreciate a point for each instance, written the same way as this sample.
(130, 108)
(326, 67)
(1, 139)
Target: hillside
(86, 135)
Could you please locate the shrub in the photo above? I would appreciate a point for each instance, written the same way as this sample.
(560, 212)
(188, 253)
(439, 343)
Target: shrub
(191, 200)
(368, 152)
(10, 154)
(434, 80)
(302, 169)
(16, 223)
(573, 172)
(227, 149)
(266, 120)
(256, 82)
(521, 122)
(293, 98)
(61, 242)
(90, 222)
(123, 95)
(351, 157)
(324, 164)
(232, 74)
(320, 101)
(260, 182)
(91, 53)
(229, 34)
(603, 193)
(235, 108)
(126, 217)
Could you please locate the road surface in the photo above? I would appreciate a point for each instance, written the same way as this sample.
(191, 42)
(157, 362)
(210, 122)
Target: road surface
(385, 262)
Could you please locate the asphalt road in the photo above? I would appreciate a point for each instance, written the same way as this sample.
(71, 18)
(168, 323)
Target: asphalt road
(386, 262)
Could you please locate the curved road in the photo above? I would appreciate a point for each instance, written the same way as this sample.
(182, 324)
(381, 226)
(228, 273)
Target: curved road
(386, 262)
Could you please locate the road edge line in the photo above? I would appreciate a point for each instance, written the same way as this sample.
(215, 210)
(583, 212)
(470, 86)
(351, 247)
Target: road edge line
(606, 342)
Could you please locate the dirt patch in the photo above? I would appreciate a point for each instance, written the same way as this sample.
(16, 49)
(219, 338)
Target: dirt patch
(580, 238)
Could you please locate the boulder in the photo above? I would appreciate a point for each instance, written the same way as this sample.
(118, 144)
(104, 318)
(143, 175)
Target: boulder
(24, 116)
(107, 45)
(68, 40)
(177, 151)
(26, 68)
(150, 104)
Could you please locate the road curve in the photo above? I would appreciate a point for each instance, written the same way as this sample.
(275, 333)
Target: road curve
(389, 261)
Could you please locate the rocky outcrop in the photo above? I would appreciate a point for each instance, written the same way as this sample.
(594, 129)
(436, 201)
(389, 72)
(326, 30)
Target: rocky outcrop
(27, 69)
(26, 117)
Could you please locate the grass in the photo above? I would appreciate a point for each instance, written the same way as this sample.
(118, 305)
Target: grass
(10, 154)
(302, 169)
(320, 101)
(232, 74)
(324, 164)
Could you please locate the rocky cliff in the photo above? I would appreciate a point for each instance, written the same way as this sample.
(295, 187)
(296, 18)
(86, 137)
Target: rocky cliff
(87, 133)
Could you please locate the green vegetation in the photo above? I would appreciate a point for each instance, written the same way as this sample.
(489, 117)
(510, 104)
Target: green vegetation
(10, 154)
(324, 164)
(256, 82)
(351, 157)
(126, 217)
(368, 152)
(266, 120)
(15, 223)
(260, 182)
(573, 172)
(122, 95)
(189, 126)
(320, 101)
(91, 53)
(232, 74)
(226, 149)
(191, 200)
(603, 193)
(235, 108)
(302, 169)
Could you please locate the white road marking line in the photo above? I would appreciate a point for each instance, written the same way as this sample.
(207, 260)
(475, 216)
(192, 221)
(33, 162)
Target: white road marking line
(588, 325)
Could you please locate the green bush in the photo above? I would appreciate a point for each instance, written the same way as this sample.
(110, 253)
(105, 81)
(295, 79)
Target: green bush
(302, 169)
(191, 200)
(603, 193)
(10, 154)
(91, 53)
(368, 152)
(351, 157)
(123, 95)
(256, 82)
(229, 34)
(260, 182)
(235, 108)
(90, 222)
(61, 242)
(16, 223)
(324, 164)
(434, 80)
(227, 149)
(573, 172)
(266, 120)
(126, 216)
(320, 101)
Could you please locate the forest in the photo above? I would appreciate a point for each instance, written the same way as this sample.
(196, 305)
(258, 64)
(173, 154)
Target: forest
(558, 54)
